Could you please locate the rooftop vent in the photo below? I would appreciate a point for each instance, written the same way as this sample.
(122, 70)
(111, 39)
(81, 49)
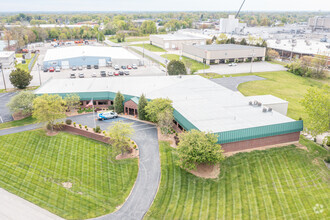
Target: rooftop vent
(250, 102)
(264, 109)
(270, 109)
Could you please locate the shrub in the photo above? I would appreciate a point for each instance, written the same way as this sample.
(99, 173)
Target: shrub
(80, 126)
(49, 126)
(97, 129)
(132, 142)
(68, 121)
(134, 146)
(86, 128)
(111, 107)
(74, 124)
(103, 132)
(327, 159)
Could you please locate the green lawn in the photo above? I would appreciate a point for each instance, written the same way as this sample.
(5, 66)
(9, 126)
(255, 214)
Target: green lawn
(131, 39)
(279, 183)
(34, 166)
(24, 121)
(195, 65)
(150, 47)
(282, 84)
(26, 65)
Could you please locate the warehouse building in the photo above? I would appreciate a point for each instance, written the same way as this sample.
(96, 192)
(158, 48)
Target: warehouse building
(67, 57)
(7, 59)
(175, 41)
(198, 104)
(223, 53)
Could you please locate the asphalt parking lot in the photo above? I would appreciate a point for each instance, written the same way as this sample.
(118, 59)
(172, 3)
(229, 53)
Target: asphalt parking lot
(233, 82)
(5, 114)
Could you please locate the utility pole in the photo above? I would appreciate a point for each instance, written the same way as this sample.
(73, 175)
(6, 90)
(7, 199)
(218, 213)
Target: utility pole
(252, 61)
(39, 73)
(3, 76)
(205, 61)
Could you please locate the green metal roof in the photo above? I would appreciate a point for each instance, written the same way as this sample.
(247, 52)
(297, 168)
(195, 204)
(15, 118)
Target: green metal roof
(259, 132)
(135, 100)
(187, 125)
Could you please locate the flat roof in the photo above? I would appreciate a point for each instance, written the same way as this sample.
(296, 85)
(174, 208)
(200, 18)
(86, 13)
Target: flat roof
(178, 37)
(61, 53)
(6, 54)
(216, 47)
(207, 105)
(266, 99)
(314, 47)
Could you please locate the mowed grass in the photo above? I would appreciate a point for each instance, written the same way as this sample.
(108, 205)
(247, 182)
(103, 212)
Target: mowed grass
(34, 166)
(22, 122)
(26, 65)
(150, 47)
(131, 39)
(195, 65)
(279, 183)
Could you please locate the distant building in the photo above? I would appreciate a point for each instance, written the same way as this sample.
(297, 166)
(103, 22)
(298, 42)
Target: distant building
(175, 41)
(319, 23)
(67, 57)
(223, 53)
(231, 25)
(7, 59)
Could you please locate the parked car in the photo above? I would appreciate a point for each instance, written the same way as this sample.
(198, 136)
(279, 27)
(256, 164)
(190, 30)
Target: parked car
(134, 66)
(121, 73)
(96, 66)
(107, 115)
(45, 69)
(81, 75)
(129, 67)
(116, 74)
(51, 69)
(103, 73)
(74, 68)
(123, 67)
(93, 74)
(89, 67)
(116, 67)
(110, 73)
(58, 69)
(72, 75)
(126, 72)
(232, 64)
(80, 67)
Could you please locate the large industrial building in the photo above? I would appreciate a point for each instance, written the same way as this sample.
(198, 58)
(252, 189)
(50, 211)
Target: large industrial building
(66, 57)
(240, 122)
(321, 23)
(7, 59)
(231, 25)
(223, 53)
(175, 41)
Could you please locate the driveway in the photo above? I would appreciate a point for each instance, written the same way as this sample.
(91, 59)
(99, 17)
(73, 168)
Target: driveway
(243, 68)
(151, 54)
(146, 186)
(5, 114)
(233, 82)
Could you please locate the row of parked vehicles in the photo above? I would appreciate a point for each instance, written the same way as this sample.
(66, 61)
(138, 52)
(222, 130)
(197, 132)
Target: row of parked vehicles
(102, 74)
(74, 68)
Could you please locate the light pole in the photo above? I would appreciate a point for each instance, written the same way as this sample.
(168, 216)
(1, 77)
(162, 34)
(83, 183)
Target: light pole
(39, 73)
(252, 60)
(3, 76)
(205, 61)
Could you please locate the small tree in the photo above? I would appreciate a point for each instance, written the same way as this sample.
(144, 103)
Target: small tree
(165, 120)
(120, 134)
(272, 54)
(22, 103)
(176, 67)
(157, 106)
(319, 63)
(72, 101)
(317, 105)
(48, 108)
(143, 102)
(243, 42)
(119, 103)
(196, 147)
(20, 78)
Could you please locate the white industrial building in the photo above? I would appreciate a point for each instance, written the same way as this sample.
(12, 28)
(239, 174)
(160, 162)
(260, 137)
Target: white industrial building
(66, 57)
(7, 59)
(270, 101)
(175, 41)
(230, 25)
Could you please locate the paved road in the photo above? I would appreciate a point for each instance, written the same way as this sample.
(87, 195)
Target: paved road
(5, 114)
(243, 68)
(151, 54)
(233, 82)
(147, 182)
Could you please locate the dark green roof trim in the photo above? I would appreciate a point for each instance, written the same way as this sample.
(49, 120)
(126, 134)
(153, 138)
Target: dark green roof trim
(259, 132)
(135, 100)
(187, 125)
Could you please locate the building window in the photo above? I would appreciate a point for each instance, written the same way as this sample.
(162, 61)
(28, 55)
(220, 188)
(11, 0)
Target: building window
(222, 61)
(180, 127)
(94, 102)
(103, 102)
(231, 60)
(111, 102)
(176, 123)
(81, 103)
(212, 61)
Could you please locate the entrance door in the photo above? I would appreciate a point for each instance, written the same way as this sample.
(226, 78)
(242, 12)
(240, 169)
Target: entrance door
(102, 62)
(65, 64)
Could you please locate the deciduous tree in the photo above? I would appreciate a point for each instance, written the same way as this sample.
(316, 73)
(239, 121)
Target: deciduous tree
(157, 106)
(120, 134)
(176, 67)
(72, 101)
(196, 147)
(22, 103)
(143, 102)
(119, 103)
(20, 78)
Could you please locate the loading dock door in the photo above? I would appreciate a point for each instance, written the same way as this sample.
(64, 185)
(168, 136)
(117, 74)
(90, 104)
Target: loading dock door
(65, 64)
(167, 45)
(102, 62)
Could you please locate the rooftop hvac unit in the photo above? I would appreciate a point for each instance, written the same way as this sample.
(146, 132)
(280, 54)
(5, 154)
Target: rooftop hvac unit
(255, 102)
(264, 109)
(259, 104)
(270, 109)
(250, 103)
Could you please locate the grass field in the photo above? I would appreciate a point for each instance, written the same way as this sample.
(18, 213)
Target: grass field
(34, 166)
(195, 66)
(26, 65)
(282, 84)
(24, 121)
(150, 47)
(131, 39)
(279, 183)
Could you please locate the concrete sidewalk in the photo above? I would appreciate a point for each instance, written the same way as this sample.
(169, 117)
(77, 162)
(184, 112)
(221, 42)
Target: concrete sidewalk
(13, 207)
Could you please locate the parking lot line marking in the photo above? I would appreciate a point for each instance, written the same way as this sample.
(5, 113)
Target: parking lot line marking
(145, 129)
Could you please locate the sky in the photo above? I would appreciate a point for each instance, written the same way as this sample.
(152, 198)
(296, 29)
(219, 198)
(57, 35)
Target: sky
(163, 5)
